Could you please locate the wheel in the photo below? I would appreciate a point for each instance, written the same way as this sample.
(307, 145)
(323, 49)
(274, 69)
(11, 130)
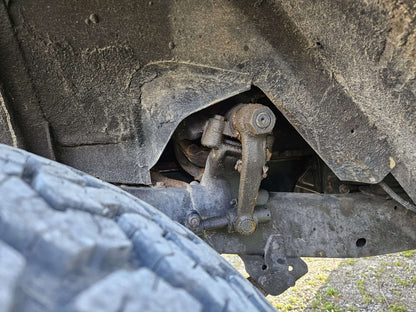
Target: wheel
(70, 242)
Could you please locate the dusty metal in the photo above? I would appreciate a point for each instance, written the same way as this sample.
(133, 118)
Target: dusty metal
(252, 125)
(304, 225)
(26, 126)
(273, 271)
(323, 225)
(115, 94)
(397, 197)
(200, 207)
(290, 226)
(260, 215)
(213, 133)
(179, 203)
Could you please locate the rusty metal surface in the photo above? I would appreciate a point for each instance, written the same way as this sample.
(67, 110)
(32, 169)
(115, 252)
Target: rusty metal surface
(160, 180)
(114, 91)
(253, 123)
(302, 225)
(335, 226)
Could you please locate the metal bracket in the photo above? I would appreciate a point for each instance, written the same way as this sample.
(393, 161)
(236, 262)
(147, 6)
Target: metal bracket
(274, 272)
(252, 125)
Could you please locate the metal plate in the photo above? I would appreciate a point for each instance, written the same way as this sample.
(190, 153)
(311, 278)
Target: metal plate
(336, 226)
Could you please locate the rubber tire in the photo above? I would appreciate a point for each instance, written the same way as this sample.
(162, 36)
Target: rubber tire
(70, 242)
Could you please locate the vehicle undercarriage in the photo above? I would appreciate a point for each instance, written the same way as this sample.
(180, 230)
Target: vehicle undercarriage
(274, 130)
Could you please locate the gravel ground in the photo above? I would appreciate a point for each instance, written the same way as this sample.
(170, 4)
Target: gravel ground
(382, 283)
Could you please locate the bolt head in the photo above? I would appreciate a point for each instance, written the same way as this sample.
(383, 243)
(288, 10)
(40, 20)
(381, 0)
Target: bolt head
(263, 120)
(245, 225)
(194, 221)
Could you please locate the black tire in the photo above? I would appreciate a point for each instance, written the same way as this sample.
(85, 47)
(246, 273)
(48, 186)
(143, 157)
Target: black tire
(70, 242)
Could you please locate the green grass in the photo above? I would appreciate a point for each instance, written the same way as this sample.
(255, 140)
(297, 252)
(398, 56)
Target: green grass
(402, 282)
(367, 299)
(321, 304)
(279, 306)
(361, 288)
(332, 292)
(408, 253)
(397, 308)
(295, 300)
(322, 278)
(360, 285)
(285, 308)
(380, 299)
(349, 261)
(331, 307)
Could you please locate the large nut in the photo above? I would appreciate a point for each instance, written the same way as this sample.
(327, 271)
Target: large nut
(256, 119)
(245, 225)
(263, 120)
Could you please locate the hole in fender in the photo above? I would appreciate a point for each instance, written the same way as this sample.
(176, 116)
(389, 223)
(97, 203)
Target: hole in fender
(361, 242)
(264, 267)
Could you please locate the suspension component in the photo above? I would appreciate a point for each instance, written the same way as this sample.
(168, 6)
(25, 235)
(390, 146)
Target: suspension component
(252, 125)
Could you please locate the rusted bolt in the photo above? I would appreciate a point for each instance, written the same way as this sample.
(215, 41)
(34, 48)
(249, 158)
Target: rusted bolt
(263, 120)
(194, 221)
(256, 119)
(245, 225)
(344, 189)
